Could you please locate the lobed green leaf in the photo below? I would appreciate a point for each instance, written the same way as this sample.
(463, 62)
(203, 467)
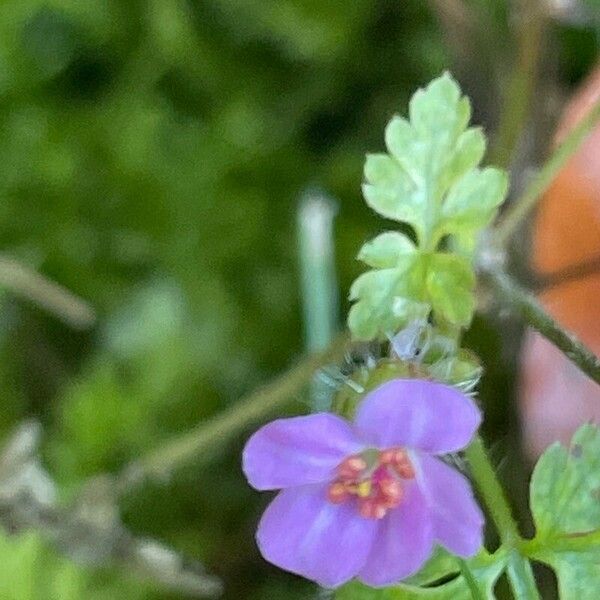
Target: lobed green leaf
(565, 487)
(429, 180)
(565, 502)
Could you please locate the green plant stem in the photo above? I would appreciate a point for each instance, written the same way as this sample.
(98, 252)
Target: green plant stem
(204, 439)
(492, 493)
(27, 283)
(520, 208)
(470, 580)
(519, 572)
(529, 309)
(521, 84)
(520, 576)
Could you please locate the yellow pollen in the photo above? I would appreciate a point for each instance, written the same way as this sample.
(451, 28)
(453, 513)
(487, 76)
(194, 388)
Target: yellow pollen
(363, 489)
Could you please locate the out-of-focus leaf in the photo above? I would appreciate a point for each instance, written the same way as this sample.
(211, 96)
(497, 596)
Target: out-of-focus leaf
(31, 570)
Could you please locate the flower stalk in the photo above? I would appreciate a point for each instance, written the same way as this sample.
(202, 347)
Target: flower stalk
(203, 440)
(518, 211)
(519, 570)
(529, 309)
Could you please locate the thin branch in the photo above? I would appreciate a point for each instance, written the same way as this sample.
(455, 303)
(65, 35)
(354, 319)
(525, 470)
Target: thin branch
(520, 208)
(529, 309)
(470, 579)
(486, 480)
(521, 82)
(577, 272)
(29, 284)
(564, 542)
(489, 487)
(520, 575)
(89, 531)
(202, 441)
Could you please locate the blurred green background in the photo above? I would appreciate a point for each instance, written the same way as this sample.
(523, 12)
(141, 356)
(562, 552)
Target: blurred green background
(152, 153)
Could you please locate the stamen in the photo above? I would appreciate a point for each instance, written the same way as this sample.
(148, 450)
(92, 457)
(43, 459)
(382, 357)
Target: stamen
(392, 492)
(397, 458)
(352, 467)
(369, 508)
(337, 493)
(373, 479)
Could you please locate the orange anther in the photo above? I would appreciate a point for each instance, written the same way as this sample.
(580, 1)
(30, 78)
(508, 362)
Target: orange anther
(372, 509)
(391, 491)
(404, 468)
(352, 467)
(337, 493)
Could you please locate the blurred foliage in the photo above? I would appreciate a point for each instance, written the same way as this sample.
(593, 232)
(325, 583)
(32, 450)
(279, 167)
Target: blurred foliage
(152, 155)
(31, 571)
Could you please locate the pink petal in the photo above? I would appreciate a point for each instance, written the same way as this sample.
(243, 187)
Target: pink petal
(419, 414)
(457, 519)
(403, 544)
(303, 533)
(297, 451)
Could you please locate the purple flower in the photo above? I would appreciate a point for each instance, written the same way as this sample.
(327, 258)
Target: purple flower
(370, 499)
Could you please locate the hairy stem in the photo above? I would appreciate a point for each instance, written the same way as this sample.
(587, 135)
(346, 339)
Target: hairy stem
(492, 493)
(520, 208)
(519, 570)
(226, 426)
(529, 309)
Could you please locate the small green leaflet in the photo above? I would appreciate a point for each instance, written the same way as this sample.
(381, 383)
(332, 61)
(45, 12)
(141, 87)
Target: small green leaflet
(485, 568)
(429, 180)
(565, 502)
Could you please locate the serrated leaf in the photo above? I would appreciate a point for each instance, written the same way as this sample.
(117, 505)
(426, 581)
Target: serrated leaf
(427, 156)
(565, 502)
(471, 204)
(387, 298)
(387, 250)
(429, 180)
(469, 151)
(450, 282)
(387, 181)
(485, 568)
(565, 487)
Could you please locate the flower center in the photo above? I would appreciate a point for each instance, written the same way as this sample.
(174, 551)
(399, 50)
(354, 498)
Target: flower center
(373, 479)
